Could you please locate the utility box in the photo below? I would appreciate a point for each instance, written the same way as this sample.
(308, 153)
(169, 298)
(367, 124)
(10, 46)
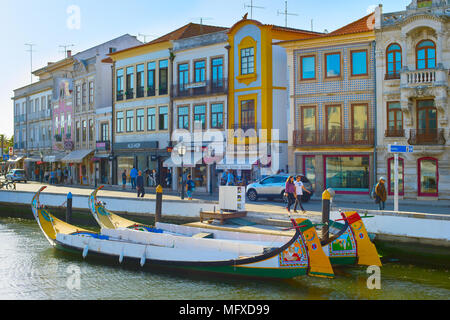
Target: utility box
(232, 198)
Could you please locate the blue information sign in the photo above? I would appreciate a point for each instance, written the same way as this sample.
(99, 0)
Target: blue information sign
(393, 148)
(5, 157)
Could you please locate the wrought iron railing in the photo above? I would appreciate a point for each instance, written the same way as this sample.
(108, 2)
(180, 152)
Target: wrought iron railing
(427, 137)
(334, 137)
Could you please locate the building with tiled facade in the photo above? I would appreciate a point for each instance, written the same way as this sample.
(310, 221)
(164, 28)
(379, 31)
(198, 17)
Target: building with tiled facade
(413, 63)
(332, 116)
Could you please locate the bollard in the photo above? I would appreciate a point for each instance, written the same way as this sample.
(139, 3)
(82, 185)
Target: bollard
(326, 200)
(69, 208)
(159, 194)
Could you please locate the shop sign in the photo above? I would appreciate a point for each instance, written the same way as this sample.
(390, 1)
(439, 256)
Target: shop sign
(68, 145)
(137, 145)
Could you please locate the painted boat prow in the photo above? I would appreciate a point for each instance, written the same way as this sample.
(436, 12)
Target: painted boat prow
(50, 225)
(105, 218)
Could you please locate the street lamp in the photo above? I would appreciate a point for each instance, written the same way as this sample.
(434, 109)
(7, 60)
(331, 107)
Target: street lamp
(181, 149)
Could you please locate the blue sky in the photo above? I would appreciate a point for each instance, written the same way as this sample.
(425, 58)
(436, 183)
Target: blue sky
(44, 23)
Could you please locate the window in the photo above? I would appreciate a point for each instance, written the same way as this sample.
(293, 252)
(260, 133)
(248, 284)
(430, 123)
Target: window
(163, 118)
(426, 55)
(394, 120)
(200, 116)
(247, 61)
(428, 176)
(308, 68)
(333, 65)
(32, 106)
(84, 130)
(56, 123)
(393, 61)
(119, 124)
(308, 126)
(140, 81)
(140, 114)
(91, 92)
(359, 63)
(183, 117)
(43, 102)
(69, 126)
(217, 116)
(130, 119)
(309, 165)
(347, 173)
(424, 3)
(426, 121)
(217, 72)
(63, 124)
(248, 114)
(183, 76)
(130, 83)
(119, 89)
(360, 121)
(151, 119)
(391, 177)
(163, 77)
(36, 103)
(104, 131)
(84, 93)
(49, 102)
(91, 130)
(151, 79)
(78, 131)
(334, 124)
(199, 71)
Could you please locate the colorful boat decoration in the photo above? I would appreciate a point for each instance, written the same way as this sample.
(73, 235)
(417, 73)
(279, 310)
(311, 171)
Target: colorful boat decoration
(349, 244)
(159, 248)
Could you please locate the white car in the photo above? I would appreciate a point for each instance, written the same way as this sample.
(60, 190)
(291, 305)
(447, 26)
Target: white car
(273, 187)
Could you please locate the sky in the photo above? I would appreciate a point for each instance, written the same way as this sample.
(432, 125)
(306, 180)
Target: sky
(50, 24)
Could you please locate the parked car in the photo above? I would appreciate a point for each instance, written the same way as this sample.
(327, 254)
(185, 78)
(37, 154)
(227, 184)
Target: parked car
(16, 175)
(273, 187)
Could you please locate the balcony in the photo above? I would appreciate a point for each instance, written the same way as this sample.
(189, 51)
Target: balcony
(390, 133)
(246, 126)
(140, 92)
(426, 77)
(129, 94)
(200, 88)
(151, 91)
(427, 137)
(337, 137)
(119, 95)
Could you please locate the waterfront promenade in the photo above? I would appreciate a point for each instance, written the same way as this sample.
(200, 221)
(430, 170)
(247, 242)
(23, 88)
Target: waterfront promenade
(314, 206)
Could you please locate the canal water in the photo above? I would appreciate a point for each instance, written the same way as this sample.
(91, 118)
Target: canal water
(31, 269)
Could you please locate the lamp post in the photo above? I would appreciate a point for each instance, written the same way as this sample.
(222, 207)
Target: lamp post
(181, 149)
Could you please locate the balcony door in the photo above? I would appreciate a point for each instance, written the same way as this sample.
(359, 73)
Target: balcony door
(360, 121)
(426, 121)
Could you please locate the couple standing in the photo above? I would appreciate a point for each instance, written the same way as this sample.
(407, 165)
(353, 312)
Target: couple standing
(294, 192)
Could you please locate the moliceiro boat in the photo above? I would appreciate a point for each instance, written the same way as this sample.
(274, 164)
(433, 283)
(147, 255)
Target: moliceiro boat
(161, 248)
(349, 243)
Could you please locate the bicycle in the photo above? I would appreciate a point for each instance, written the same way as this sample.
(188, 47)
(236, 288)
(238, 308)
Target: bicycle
(8, 185)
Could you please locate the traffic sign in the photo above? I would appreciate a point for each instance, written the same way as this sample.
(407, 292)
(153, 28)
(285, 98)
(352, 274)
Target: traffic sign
(11, 151)
(5, 157)
(393, 148)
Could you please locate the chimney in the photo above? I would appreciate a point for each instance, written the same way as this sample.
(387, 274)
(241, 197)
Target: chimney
(69, 53)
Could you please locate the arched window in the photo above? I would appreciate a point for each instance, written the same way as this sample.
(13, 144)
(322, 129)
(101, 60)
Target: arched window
(393, 61)
(426, 55)
(428, 177)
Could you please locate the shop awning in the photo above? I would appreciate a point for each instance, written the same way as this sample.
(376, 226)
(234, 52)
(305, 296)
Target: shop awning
(238, 163)
(76, 156)
(33, 159)
(15, 159)
(53, 158)
(169, 163)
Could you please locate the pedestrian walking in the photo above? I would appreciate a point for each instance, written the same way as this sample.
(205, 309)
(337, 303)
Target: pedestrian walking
(133, 176)
(124, 179)
(140, 185)
(52, 177)
(299, 188)
(289, 192)
(190, 186)
(381, 196)
(230, 178)
(58, 176)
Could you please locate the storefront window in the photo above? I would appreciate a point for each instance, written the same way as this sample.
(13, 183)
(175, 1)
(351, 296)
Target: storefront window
(428, 177)
(309, 169)
(391, 178)
(347, 173)
(199, 175)
(124, 163)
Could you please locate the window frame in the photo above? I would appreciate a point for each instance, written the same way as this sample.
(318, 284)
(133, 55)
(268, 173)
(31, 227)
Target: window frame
(151, 93)
(302, 122)
(205, 115)
(395, 129)
(241, 61)
(396, 73)
(426, 59)
(326, 77)
(352, 107)
(211, 114)
(420, 193)
(166, 118)
(247, 125)
(120, 128)
(153, 126)
(301, 67)
(140, 122)
(341, 121)
(367, 63)
(129, 124)
(159, 78)
(183, 117)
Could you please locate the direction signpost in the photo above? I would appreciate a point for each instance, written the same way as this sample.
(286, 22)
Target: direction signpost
(396, 149)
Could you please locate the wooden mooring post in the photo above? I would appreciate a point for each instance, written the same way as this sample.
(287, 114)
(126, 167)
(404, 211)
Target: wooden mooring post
(69, 208)
(158, 211)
